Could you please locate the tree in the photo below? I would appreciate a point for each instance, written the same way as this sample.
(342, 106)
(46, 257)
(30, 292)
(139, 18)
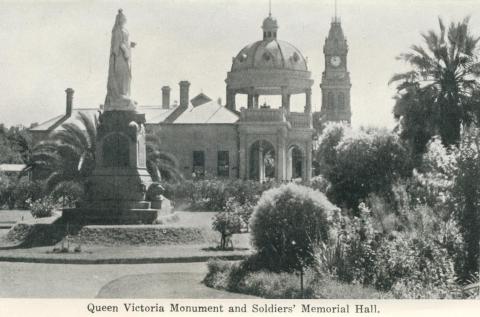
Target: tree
(12, 143)
(68, 155)
(158, 163)
(466, 192)
(361, 162)
(226, 223)
(439, 93)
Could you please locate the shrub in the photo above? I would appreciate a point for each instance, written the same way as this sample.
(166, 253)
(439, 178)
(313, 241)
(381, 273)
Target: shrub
(287, 222)
(68, 193)
(212, 194)
(244, 211)
(419, 258)
(15, 192)
(238, 277)
(42, 207)
(226, 223)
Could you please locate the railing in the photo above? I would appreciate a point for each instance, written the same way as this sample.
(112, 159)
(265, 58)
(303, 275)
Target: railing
(296, 119)
(263, 115)
(299, 120)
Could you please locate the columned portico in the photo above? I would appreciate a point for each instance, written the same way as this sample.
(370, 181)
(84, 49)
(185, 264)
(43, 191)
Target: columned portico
(270, 67)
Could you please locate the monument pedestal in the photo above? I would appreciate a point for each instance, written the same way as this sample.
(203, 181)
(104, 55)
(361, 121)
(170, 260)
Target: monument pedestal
(115, 192)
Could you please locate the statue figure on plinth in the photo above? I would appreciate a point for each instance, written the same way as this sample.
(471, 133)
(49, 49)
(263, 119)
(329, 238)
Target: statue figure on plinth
(120, 68)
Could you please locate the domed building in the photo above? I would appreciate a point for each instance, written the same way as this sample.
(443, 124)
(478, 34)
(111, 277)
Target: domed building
(269, 67)
(201, 137)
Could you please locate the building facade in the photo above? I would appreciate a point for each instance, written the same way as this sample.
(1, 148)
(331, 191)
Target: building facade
(203, 138)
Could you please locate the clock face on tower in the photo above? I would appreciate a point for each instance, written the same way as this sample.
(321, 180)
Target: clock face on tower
(335, 61)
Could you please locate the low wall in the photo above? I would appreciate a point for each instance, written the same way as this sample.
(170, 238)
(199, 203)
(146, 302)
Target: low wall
(145, 235)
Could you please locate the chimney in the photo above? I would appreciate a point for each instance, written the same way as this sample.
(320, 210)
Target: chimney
(184, 85)
(69, 92)
(165, 97)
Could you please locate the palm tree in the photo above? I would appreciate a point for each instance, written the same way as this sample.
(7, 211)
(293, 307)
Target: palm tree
(68, 155)
(446, 72)
(158, 163)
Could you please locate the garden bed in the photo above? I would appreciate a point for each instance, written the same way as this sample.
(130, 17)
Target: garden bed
(229, 276)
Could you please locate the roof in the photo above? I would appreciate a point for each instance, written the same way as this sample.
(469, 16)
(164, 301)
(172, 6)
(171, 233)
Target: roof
(44, 126)
(210, 112)
(11, 167)
(153, 114)
(156, 114)
(271, 53)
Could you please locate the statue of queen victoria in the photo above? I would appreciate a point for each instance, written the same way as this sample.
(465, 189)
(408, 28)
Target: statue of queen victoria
(120, 68)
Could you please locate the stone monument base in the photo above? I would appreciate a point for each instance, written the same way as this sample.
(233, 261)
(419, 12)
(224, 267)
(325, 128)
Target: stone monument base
(110, 215)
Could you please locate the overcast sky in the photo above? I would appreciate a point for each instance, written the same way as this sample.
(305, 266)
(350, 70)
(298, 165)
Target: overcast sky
(47, 46)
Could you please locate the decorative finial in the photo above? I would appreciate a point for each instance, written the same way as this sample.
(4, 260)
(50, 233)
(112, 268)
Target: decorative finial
(336, 17)
(269, 8)
(120, 10)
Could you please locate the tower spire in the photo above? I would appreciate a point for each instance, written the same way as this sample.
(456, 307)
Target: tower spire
(269, 8)
(335, 19)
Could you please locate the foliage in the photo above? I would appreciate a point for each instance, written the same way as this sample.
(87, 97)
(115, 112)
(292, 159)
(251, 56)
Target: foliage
(212, 194)
(42, 207)
(287, 222)
(14, 191)
(15, 145)
(68, 193)
(221, 275)
(439, 93)
(159, 165)
(244, 211)
(466, 193)
(415, 262)
(226, 223)
(68, 155)
(361, 162)
(320, 183)
(325, 153)
(235, 277)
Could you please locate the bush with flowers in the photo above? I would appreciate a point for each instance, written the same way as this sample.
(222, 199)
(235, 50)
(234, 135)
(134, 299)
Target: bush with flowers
(42, 207)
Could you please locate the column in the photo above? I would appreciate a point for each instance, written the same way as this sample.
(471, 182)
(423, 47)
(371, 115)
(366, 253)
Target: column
(308, 165)
(255, 101)
(261, 163)
(242, 156)
(230, 99)
(280, 154)
(250, 101)
(285, 99)
(308, 100)
(289, 174)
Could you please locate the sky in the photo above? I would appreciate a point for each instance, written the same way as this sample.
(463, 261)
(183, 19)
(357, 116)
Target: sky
(48, 46)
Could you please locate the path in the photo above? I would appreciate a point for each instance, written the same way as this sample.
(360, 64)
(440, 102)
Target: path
(170, 280)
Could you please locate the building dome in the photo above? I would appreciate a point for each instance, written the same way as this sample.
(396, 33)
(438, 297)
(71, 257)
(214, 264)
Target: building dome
(269, 66)
(269, 54)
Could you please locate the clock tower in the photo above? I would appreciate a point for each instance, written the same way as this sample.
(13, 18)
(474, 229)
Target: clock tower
(336, 78)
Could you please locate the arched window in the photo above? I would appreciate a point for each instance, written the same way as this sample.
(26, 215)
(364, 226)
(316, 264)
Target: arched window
(341, 100)
(331, 100)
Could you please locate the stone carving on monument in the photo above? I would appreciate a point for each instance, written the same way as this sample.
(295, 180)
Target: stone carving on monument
(115, 192)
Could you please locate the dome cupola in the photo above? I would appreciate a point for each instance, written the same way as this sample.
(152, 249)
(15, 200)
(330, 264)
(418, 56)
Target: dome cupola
(269, 27)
